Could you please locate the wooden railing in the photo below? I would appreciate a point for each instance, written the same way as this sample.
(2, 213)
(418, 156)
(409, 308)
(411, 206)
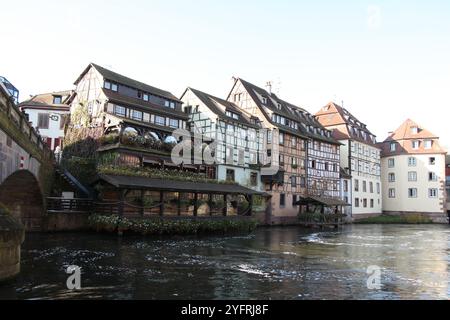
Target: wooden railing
(68, 205)
(111, 207)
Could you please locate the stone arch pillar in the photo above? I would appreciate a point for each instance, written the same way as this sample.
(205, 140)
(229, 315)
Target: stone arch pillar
(22, 195)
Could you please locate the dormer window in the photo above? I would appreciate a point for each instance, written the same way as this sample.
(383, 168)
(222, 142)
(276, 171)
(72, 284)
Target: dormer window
(232, 115)
(169, 104)
(110, 86)
(57, 99)
(279, 106)
(393, 146)
(428, 144)
(416, 144)
(145, 97)
(414, 130)
(264, 100)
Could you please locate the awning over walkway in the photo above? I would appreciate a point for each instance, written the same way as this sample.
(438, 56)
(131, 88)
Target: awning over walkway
(316, 200)
(130, 182)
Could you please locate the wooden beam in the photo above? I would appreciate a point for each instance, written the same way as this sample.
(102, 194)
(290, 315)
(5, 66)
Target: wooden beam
(225, 201)
(179, 204)
(121, 203)
(142, 203)
(250, 207)
(210, 204)
(161, 201)
(195, 204)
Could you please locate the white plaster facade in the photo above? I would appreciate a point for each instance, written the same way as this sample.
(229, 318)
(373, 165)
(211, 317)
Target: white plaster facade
(54, 134)
(401, 174)
(237, 144)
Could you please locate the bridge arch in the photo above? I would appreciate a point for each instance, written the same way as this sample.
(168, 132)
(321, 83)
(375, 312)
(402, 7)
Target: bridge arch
(22, 195)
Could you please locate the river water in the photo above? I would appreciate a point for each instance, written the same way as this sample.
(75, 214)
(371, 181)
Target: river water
(272, 263)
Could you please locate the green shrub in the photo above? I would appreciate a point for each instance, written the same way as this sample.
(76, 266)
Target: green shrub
(177, 175)
(112, 138)
(4, 210)
(397, 219)
(159, 226)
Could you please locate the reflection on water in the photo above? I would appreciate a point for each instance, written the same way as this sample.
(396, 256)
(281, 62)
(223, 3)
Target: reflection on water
(277, 263)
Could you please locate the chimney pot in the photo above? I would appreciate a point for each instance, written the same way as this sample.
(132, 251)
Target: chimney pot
(269, 87)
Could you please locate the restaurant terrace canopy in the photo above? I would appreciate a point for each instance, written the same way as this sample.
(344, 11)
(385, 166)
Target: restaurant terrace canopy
(322, 201)
(119, 186)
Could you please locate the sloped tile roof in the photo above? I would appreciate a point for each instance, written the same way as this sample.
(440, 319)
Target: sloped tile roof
(46, 100)
(116, 77)
(287, 110)
(212, 103)
(404, 136)
(339, 118)
(135, 102)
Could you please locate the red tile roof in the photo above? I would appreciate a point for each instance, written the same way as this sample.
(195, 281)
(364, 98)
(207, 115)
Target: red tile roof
(404, 136)
(344, 124)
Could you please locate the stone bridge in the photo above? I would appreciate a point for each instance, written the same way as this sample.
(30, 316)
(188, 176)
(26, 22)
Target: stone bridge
(26, 166)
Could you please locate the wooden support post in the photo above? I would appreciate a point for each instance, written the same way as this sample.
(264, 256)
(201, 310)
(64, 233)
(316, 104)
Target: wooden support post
(161, 201)
(121, 210)
(195, 204)
(225, 201)
(121, 202)
(179, 204)
(210, 204)
(142, 203)
(250, 205)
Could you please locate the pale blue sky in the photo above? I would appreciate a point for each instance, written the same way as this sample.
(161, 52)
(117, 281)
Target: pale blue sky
(387, 60)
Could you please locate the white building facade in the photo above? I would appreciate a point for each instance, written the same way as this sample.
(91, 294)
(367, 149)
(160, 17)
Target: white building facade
(48, 114)
(413, 166)
(360, 158)
(236, 134)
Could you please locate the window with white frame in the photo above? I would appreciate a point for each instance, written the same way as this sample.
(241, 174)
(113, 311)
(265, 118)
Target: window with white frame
(428, 144)
(161, 121)
(136, 115)
(391, 193)
(412, 176)
(57, 99)
(415, 144)
(432, 176)
(393, 146)
(412, 162)
(412, 193)
(120, 111)
(174, 123)
(391, 177)
(433, 193)
(281, 138)
(391, 162)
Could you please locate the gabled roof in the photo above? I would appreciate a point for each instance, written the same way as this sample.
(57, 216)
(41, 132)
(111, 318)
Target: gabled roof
(45, 100)
(405, 132)
(253, 89)
(116, 77)
(333, 115)
(213, 103)
(287, 110)
(404, 136)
